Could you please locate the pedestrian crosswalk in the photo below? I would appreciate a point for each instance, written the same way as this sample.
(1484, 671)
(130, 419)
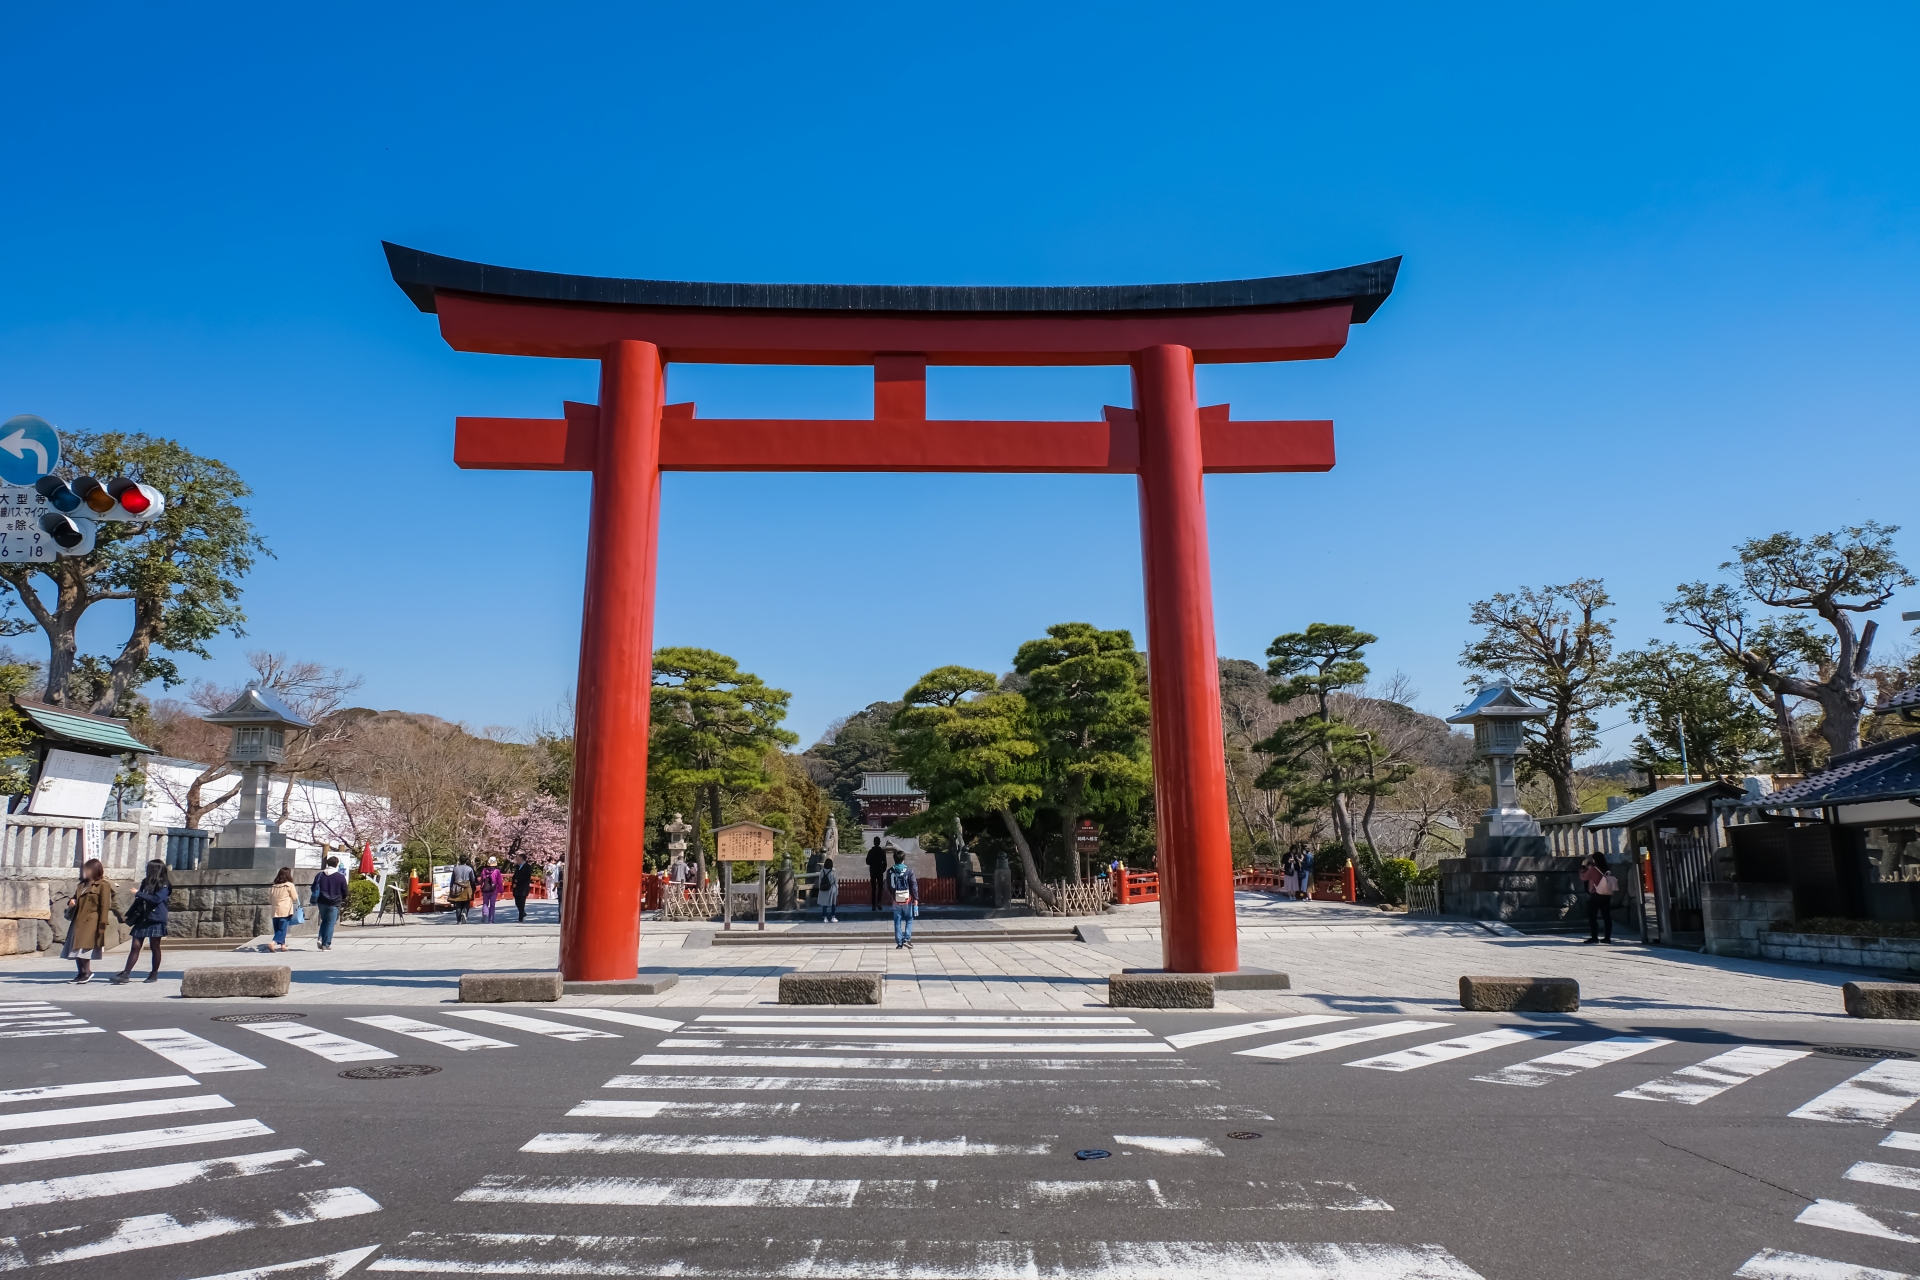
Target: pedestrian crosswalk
(26, 1019)
(193, 1191)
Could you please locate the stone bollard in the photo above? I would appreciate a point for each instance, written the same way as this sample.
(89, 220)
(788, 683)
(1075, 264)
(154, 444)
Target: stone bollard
(1160, 990)
(1519, 995)
(212, 982)
(500, 988)
(830, 988)
(1882, 999)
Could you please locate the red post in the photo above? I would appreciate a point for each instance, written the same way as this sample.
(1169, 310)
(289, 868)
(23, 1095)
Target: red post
(1189, 758)
(600, 935)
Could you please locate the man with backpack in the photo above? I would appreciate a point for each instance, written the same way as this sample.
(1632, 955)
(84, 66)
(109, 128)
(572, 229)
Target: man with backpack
(903, 891)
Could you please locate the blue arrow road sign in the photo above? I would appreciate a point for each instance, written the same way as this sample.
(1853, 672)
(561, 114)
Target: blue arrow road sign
(29, 449)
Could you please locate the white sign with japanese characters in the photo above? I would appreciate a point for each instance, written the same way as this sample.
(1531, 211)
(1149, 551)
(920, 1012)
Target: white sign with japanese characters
(74, 785)
(21, 537)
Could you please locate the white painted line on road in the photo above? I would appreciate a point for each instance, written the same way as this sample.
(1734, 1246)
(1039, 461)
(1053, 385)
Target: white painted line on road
(1134, 1048)
(923, 1193)
(329, 1266)
(136, 1085)
(624, 1018)
(1876, 1096)
(802, 1063)
(539, 1026)
(120, 1182)
(54, 1019)
(18, 1120)
(153, 1230)
(1580, 1057)
(1838, 1215)
(186, 1050)
(10, 1005)
(873, 1084)
(434, 1033)
(1170, 1146)
(1691, 1086)
(700, 1144)
(102, 1144)
(1778, 1264)
(898, 1019)
(1188, 1039)
(53, 1031)
(1902, 1141)
(1338, 1039)
(323, 1044)
(1426, 1055)
(1884, 1175)
(514, 1253)
(798, 1028)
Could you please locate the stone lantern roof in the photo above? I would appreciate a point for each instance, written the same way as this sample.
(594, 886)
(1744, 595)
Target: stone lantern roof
(260, 706)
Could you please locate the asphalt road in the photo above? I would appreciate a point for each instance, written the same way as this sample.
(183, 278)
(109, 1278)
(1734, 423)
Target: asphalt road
(764, 1143)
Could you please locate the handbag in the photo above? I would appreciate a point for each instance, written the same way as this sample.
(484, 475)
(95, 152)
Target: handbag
(139, 913)
(460, 892)
(1608, 886)
(299, 913)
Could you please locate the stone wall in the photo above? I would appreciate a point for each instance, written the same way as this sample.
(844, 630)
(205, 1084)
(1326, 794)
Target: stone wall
(204, 904)
(1899, 954)
(1534, 889)
(1739, 914)
(26, 916)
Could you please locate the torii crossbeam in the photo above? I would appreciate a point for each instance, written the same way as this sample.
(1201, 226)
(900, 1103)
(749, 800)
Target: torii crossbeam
(634, 328)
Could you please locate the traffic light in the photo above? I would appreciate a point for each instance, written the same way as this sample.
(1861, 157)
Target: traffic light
(137, 501)
(72, 536)
(94, 494)
(58, 493)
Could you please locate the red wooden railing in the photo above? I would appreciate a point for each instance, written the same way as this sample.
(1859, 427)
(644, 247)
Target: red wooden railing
(1136, 886)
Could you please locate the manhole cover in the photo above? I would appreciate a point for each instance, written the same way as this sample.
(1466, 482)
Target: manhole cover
(1091, 1153)
(1244, 1134)
(258, 1017)
(389, 1071)
(1861, 1051)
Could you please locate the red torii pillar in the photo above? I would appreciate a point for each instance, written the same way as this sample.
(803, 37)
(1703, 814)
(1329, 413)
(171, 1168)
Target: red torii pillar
(634, 327)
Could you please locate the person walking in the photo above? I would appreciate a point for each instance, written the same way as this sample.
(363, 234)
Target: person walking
(1601, 886)
(283, 897)
(876, 872)
(553, 886)
(329, 894)
(829, 895)
(904, 892)
(90, 908)
(460, 888)
(522, 885)
(490, 882)
(146, 917)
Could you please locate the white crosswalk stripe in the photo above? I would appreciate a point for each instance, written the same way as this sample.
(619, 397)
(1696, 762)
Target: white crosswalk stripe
(14, 1195)
(22, 1020)
(140, 1140)
(154, 1230)
(1900, 1141)
(1135, 1048)
(1009, 1033)
(623, 1018)
(434, 1033)
(185, 1050)
(329, 1266)
(1884, 1175)
(879, 1084)
(651, 1108)
(800, 1062)
(514, 1253)
(334, 1048)
(17, 1120)
(1876, 1096)
(136, 1085)
(676, 1144)
(1581, 1057)
(928, 1193)
(1887, 1224)
(539, 1026)
(926, 1019)
(1212, 1035)
(1170, 1146)
(1691, 1086)
(1338, 1039)
(1447, 1050)
(53, 1031)
(1778, 1264)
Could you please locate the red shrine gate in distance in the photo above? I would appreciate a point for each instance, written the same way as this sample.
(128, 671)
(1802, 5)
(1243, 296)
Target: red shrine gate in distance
(635, 327)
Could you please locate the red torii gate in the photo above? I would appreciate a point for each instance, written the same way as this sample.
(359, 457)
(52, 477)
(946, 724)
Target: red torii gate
(635, 327)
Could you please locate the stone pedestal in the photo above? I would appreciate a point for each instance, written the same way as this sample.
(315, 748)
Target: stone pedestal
(232, 902)
(1514, 878)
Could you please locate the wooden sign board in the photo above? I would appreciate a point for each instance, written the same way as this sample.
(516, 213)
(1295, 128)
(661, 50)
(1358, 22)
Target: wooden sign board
(744, 842)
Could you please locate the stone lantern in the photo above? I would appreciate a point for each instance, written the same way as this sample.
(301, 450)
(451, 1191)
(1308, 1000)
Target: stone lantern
(1498, 716)
(260, 721)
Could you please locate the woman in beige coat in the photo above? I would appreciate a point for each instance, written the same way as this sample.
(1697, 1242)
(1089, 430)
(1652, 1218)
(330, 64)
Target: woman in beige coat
(284, 897)
(92, 909)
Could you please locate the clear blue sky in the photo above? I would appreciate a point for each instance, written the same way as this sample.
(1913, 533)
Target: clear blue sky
(1659, 295)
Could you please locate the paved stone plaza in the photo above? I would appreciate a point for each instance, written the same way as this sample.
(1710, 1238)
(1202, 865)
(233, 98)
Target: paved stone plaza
(1341, 958)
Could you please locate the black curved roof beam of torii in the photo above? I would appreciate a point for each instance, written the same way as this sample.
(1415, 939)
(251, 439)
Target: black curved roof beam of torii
(511, 311)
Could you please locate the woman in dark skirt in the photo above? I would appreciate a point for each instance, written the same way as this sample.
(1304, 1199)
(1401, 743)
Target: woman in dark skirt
(149, 908)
